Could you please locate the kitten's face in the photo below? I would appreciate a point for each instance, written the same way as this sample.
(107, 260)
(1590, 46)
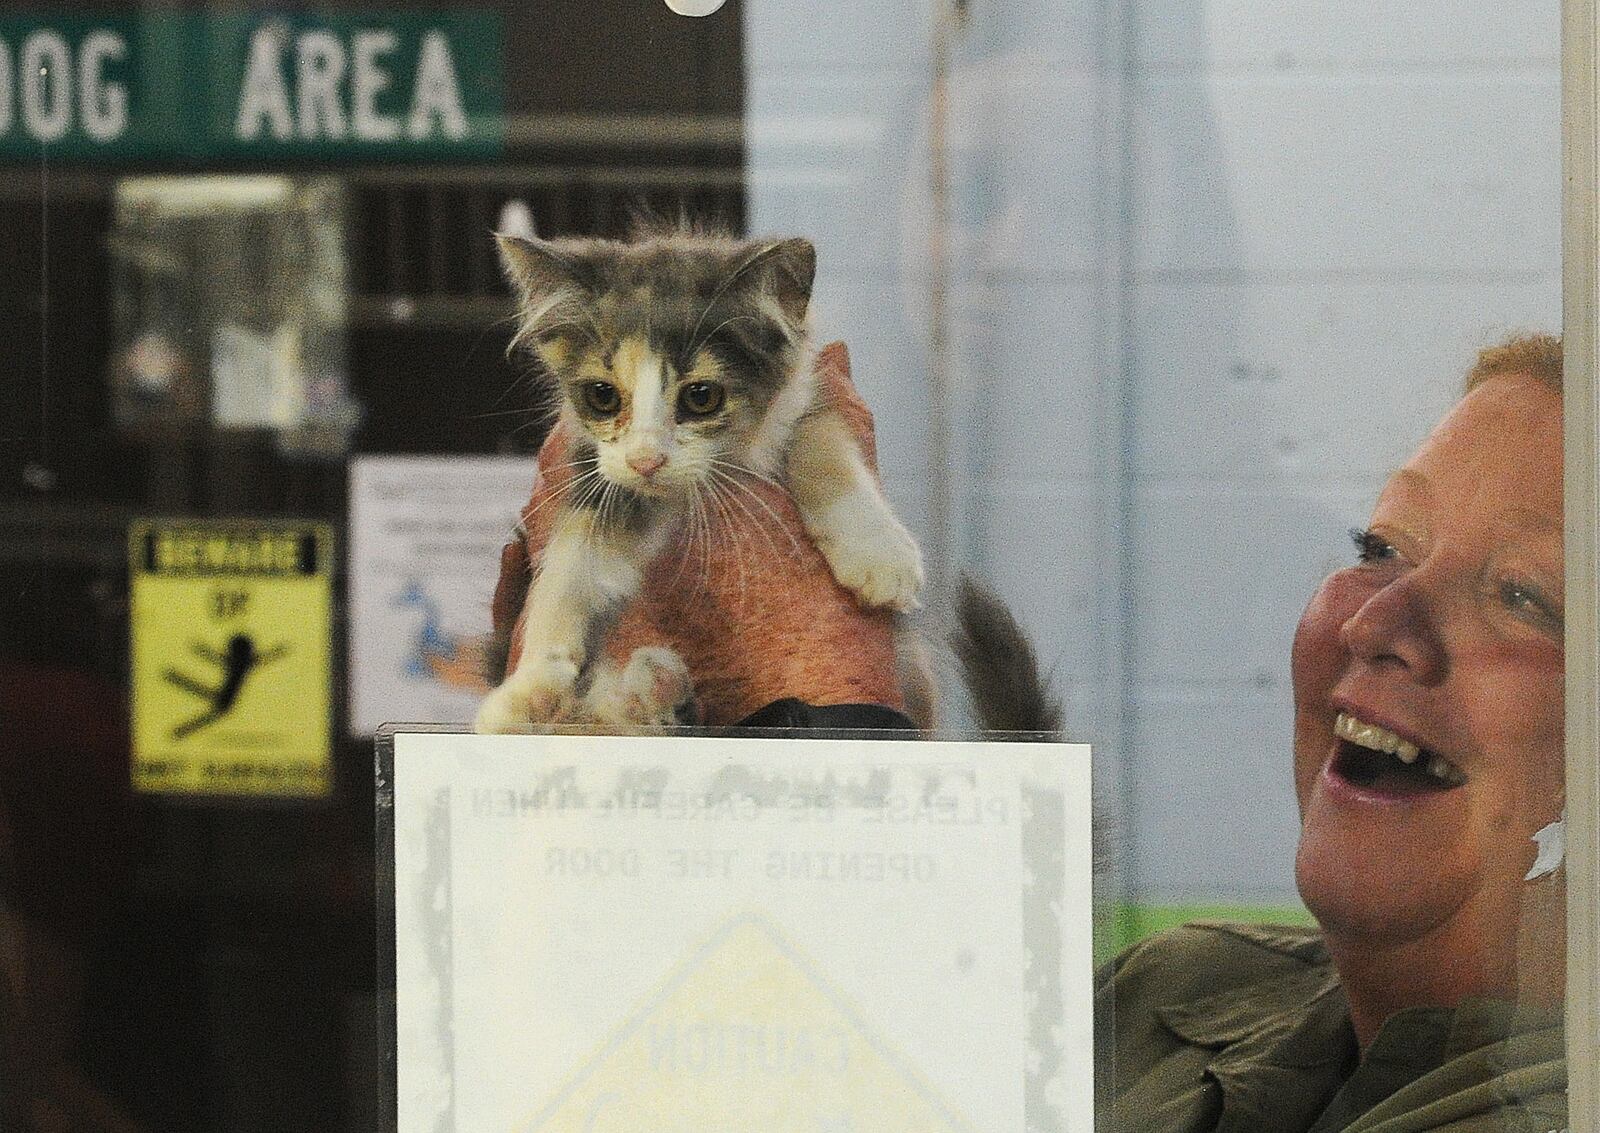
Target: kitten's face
(670, 355)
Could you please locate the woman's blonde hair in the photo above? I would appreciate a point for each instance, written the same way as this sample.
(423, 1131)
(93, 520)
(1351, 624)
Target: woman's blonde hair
(1536, 355)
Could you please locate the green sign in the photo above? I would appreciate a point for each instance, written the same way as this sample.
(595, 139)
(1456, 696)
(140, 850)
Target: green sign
(329, 86)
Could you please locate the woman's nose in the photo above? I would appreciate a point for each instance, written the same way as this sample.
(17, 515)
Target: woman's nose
(1399, 624)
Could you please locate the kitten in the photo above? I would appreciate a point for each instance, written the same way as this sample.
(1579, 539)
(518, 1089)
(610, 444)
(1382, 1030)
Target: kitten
(680, 361)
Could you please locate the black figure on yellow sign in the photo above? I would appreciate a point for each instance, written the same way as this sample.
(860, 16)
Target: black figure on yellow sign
(237, 663)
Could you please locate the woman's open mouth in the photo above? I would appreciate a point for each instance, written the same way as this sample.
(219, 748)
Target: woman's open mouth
(1375, 759)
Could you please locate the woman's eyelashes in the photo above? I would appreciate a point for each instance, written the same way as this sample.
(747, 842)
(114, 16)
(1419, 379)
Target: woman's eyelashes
(1372, 547)
(1526, 600)
(1530, 603)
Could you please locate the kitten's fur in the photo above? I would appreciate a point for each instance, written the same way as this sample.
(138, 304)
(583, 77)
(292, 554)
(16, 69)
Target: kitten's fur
(999, 666)
(681, 361)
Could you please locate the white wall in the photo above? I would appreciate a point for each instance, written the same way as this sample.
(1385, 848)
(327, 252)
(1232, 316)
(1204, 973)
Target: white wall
(1220, 264)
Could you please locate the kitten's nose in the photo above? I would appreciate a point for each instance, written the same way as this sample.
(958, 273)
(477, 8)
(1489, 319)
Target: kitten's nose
(646, 464)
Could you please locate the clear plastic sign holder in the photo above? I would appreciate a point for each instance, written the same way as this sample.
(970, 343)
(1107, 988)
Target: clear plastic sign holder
(697, 932)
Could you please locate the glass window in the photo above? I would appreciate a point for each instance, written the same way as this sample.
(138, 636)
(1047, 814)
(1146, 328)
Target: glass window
(1153, 307)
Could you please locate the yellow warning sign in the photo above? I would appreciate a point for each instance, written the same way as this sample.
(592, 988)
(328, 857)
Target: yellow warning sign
(746, 1036)
(232, 632)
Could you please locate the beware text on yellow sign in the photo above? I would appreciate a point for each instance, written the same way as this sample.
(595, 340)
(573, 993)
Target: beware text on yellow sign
(231, 657)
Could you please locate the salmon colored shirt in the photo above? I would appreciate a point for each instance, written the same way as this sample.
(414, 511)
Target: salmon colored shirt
(750, 605)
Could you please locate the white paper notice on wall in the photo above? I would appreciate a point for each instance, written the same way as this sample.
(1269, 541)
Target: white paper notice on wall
(695, 934)
(425, 540)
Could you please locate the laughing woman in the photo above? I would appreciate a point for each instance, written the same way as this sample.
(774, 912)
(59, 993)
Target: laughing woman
(1428, 764)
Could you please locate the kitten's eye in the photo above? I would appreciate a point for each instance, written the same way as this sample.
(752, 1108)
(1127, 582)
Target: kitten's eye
(701, 399)
(1372, 547)
(602, 398)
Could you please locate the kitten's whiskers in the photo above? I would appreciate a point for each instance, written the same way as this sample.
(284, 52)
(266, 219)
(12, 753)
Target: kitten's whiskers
(744, 509)
(610, 497)
(777, 520)
(683, 546)
(588, 461)
(561, 491)
(721, 290)
(729, 528)
(753, 474)
(697, 343)
(703, 528)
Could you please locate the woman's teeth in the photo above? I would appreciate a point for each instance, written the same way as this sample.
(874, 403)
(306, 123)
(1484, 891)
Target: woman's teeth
(1377, 738)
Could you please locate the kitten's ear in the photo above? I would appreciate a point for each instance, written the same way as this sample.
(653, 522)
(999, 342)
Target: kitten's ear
(786, 270)
(536, 270)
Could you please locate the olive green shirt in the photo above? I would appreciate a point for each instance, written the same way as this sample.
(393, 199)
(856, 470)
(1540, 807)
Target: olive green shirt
(1245, 1029)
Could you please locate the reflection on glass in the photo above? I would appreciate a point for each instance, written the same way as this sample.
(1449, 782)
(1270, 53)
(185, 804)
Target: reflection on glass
(1148, 302)
(230, 306)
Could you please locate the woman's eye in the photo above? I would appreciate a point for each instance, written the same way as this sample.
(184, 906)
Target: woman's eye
(1529, 602)
(701, 399)
(1372, 547)
(602, 398)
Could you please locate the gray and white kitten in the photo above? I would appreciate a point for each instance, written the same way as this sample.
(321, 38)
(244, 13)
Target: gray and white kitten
(679, 361)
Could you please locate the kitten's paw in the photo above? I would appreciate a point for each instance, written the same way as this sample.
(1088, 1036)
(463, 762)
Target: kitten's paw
(871, 554)
(653, 690)
(502, 711)
(538, 692)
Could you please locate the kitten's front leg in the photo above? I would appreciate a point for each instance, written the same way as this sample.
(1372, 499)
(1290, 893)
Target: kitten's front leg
(586, 575)
(652, 691)
(845, 513)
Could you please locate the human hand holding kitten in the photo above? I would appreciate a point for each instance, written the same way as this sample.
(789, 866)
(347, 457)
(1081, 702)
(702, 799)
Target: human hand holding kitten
(743, 609)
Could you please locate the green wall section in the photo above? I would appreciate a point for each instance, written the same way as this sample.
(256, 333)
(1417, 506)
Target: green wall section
(1123, 924)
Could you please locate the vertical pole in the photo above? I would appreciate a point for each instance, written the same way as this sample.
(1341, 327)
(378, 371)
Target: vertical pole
(947, 15)
(1115, 220)
(1580, 291)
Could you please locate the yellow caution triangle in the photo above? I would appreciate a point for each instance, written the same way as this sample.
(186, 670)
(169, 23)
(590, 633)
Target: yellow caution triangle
(746, 1036)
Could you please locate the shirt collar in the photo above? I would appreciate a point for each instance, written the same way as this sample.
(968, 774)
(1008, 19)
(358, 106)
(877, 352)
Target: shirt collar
(1295, 1019)
(1281, 1045)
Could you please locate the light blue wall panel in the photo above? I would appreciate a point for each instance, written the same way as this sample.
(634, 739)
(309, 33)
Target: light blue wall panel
(1349, 173)
(1356, 35)
(1324, 211)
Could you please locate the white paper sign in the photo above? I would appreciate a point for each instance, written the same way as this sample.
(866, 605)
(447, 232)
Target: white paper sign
(707, 935)
(425, 539)
(257, 379)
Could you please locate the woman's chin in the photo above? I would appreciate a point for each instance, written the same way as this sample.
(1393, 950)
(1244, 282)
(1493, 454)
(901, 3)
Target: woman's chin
(1349, 903)
(1382, 870)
